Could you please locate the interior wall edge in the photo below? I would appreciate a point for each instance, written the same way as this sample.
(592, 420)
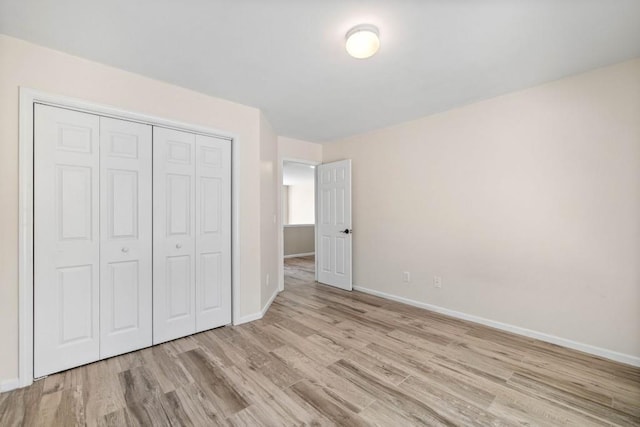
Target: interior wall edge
(259, 315)
(269, 209)
(269, 302)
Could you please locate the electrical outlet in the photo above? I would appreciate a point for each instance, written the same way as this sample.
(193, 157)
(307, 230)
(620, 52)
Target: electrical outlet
(406, 277)
(437, 281)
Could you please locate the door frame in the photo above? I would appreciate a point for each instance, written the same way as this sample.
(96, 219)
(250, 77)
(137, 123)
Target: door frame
(25, 210)
(280, 216)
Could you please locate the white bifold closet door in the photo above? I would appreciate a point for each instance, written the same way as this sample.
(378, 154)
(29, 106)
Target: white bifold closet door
(92, 238)
(125, 237)
(67, 239)
(191, 232)
(132, 236)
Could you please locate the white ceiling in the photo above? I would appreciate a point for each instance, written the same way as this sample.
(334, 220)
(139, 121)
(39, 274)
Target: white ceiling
(287, 57)
(297, 174)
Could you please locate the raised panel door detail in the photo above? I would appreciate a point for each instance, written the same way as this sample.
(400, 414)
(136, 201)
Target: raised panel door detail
(123, 207)
(125, 296)
(326, 206)
(178, 286)
(178, 207)
(75, 196)
(211, 157)
(211, 204)
(325, 264)
(339, 206)
(75, 308)
(340, 247)
(179, 152)
(210, 274)
(74, 138)
(123, 145)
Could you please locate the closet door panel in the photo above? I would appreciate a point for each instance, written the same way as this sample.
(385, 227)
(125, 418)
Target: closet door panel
(213, 232)
(126, 237)
(173, 234)
(66, 239)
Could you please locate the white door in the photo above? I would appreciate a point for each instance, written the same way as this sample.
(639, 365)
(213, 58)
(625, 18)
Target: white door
(66, 239)
(213, 232)
(173, 234)
(333, 224)
(125, 231)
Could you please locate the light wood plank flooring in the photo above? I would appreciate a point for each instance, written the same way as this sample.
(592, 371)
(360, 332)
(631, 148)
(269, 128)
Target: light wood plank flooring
(322, 356)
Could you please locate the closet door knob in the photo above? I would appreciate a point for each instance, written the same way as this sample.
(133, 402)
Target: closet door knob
(125, 249)
(178, 245)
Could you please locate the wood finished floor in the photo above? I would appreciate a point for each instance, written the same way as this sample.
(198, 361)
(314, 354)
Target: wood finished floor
(322, 356)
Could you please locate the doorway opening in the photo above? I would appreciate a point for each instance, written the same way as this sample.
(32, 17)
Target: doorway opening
(298, 209)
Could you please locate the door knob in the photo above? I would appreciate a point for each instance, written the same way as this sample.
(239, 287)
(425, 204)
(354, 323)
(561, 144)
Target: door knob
(346, 231)
(178, 245)
(125, 249)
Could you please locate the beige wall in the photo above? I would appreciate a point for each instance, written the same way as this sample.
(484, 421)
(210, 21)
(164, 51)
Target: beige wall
(527, 205)
(297, 149)
(299, 239)
(268, 210)
(25, 64)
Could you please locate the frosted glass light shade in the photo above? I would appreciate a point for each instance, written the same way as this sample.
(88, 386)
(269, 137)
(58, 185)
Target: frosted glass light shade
(363, 41)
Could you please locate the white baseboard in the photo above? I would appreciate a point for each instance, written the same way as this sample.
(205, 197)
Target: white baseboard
(586, 348)
(299, 255)
(268, 304)
(259, 315)
(248, 318)
(8, 385)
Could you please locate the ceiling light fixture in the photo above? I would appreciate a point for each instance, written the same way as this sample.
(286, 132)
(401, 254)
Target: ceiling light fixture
(363, 41)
